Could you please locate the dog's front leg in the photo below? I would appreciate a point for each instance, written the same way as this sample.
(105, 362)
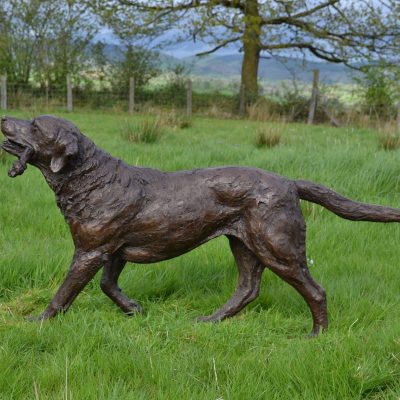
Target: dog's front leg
(83, 268)
(109, 285)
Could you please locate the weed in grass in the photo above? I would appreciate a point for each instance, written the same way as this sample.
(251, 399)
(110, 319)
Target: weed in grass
(389, 138)
(185, 122)
(262, 110)
(268, 136)
(216, 111)
(174, 119)
(148, 130)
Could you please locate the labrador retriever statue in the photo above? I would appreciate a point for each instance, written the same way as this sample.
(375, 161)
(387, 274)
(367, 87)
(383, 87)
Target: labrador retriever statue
(119, 213)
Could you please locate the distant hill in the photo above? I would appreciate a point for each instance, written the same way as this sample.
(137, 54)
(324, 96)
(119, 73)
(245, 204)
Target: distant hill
(229, 66)
(271, 69)
(115, 53)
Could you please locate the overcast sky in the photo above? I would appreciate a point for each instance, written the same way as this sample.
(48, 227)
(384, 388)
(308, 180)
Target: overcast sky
(188, 48)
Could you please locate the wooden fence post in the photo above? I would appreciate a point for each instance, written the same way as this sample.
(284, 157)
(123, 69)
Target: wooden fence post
(131, 108)
(47, 93)
(3, 93)
(398, 116)
(242, 97)
(189, 99)
(314, 97)
(70, 106)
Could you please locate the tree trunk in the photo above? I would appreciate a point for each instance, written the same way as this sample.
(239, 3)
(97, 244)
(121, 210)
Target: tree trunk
(251, 50)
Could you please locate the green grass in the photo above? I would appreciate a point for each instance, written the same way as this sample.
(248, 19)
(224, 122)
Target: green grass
(95, 352)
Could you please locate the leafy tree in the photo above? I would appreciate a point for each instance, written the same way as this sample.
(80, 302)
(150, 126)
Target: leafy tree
(338, 31)
(23, 26)
(65, 48)
(379, 89)
(46, 39)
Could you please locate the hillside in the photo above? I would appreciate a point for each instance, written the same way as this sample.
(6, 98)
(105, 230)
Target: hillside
(229, 65)
(270, 69)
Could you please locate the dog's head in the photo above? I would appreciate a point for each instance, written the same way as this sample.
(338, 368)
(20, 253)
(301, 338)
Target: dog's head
(46, 141)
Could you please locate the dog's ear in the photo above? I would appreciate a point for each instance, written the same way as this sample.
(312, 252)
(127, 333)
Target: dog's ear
(66, 147)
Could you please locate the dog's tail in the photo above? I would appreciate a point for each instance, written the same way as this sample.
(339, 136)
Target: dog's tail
(344, 207)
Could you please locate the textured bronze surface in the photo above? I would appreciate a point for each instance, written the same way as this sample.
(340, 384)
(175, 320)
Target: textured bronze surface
(119, 213)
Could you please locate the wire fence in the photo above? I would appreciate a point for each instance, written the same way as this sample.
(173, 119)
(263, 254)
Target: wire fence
(179, 97)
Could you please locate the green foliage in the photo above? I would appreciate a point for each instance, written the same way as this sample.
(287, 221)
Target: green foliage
(293, 103)
(148, 130)
(378, 91)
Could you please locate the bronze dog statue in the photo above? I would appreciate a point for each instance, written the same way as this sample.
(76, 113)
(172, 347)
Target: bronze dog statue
(119, 213)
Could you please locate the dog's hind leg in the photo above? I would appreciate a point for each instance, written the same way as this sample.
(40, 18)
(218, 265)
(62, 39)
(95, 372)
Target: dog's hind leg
(83, 268)
(250, 272)
(109, 285)
(282, 250)
(298, 276)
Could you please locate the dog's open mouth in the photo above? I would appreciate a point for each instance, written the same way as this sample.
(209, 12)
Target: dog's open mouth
(10, 146)
(23, 153)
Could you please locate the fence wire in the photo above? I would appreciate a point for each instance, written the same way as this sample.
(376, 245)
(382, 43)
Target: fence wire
(166, 97)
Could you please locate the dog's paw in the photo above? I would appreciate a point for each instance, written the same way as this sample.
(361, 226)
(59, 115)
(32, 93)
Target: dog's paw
(317, 330)
(134, 308)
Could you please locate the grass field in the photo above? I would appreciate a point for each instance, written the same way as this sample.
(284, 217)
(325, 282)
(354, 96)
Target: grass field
(95, 352)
